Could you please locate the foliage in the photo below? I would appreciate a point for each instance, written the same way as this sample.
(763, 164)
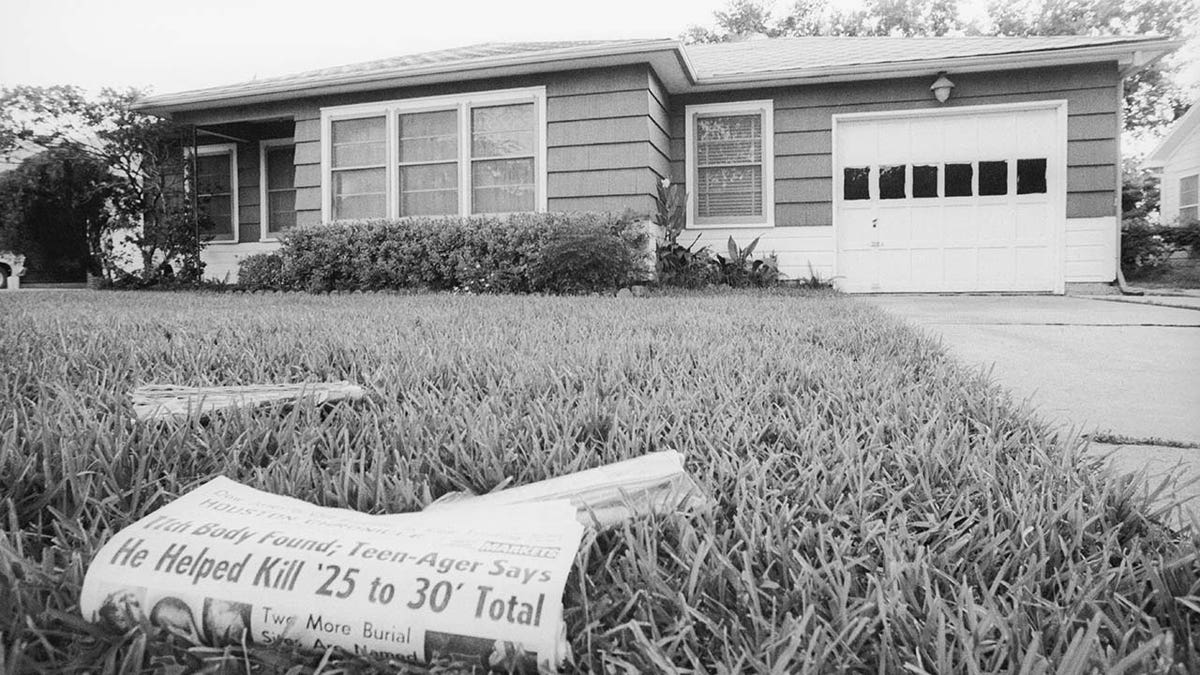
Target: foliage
(1140, 190)
(876, 507)
(740, 270)
(814, 281)
(1146, 248)
(1153, 97)
(517, 253)
(147, 165)
(675, 264)
(261, 271)
(52, 206)
(585, 261)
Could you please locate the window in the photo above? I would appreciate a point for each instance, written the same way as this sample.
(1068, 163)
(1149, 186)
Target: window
(856, 183)
(959, 178)
(429, 163)
(277, 179)
(445, 155)
(730, 163)
(1031, 176)
(891, 182)
(925, 181)
(993, 178)
(359, 168)
(1189, 199)
(216, 192)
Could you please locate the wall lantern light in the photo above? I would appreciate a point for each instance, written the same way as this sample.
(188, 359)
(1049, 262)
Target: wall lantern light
(941, 87)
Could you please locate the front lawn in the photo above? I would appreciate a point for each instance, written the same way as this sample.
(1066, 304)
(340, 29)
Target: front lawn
(877, 507)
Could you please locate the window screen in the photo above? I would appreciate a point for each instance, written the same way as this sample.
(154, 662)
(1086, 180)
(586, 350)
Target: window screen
(503, 144)
(856, 183)
(891, 182)
(428, 163)
(214, 195)
(729, 166)
(993, 178)
(281, 188)
(359, 156)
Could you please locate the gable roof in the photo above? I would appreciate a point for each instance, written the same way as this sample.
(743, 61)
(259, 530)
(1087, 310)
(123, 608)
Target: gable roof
(774, 55)
(1180, 130)
(696, 67)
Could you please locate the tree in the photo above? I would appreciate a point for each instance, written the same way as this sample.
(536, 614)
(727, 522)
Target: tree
(52, 206)
(1153, 97)
(146, 158)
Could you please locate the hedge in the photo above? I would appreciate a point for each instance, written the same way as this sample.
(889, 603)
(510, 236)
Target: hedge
(517, 253)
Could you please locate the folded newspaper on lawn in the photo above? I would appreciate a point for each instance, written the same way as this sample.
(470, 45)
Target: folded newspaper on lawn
(227, 564)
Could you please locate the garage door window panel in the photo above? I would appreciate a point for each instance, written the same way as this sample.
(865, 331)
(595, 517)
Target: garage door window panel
(959, 180)
(1031, 176)
(892, 183)
(993, 178)
(856, 183)
(925, 181)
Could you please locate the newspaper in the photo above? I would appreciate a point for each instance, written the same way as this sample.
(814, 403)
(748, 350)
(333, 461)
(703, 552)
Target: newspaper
(230, 565)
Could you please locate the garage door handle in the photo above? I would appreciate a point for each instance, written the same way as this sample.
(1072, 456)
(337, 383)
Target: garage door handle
(874, 221)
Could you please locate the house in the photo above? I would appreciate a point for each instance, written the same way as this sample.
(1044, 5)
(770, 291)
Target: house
(893, 164)
(1176, 160)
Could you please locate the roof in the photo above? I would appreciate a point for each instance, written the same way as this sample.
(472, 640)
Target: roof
(1180, 130)
(767, 56)
(697, 67)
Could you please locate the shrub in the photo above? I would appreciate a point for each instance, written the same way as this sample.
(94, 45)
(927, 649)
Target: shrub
(1146, 248)
(1143, 248)
(584, 261)
(261, 271)
(517, 253)
(740, 270)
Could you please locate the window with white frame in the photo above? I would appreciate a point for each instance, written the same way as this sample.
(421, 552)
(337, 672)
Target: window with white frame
(450, 155)
(278, 187)
(730, 164)
(216, 192)
(1189, 199)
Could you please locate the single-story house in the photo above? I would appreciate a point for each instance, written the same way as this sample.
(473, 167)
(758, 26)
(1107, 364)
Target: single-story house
(890, 164)
(1176, 160)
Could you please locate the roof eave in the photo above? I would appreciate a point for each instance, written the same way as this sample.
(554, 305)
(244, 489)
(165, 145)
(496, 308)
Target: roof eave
(533, 62)
(1135, 55)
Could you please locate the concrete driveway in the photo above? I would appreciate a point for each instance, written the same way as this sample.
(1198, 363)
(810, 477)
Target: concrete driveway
(1126, 369)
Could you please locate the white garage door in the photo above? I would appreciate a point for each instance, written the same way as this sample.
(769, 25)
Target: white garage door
(953, 201)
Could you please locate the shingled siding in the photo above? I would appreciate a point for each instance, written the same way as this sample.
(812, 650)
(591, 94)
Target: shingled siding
(804, 145)
(606, 131)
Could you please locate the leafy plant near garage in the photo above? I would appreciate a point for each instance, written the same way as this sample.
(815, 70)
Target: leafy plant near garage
(678, 265)
(741, 270)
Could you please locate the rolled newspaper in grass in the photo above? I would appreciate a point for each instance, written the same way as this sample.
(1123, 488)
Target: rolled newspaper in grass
(228, 565)
(168, 401)
(604, 496)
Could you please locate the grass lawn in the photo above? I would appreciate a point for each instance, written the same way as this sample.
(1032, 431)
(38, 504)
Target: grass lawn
(877, 507)
(1178, 273)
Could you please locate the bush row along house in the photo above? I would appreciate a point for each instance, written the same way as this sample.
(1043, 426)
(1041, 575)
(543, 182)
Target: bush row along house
(890, 164)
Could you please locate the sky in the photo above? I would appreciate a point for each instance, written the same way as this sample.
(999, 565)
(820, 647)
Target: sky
(174, 45)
